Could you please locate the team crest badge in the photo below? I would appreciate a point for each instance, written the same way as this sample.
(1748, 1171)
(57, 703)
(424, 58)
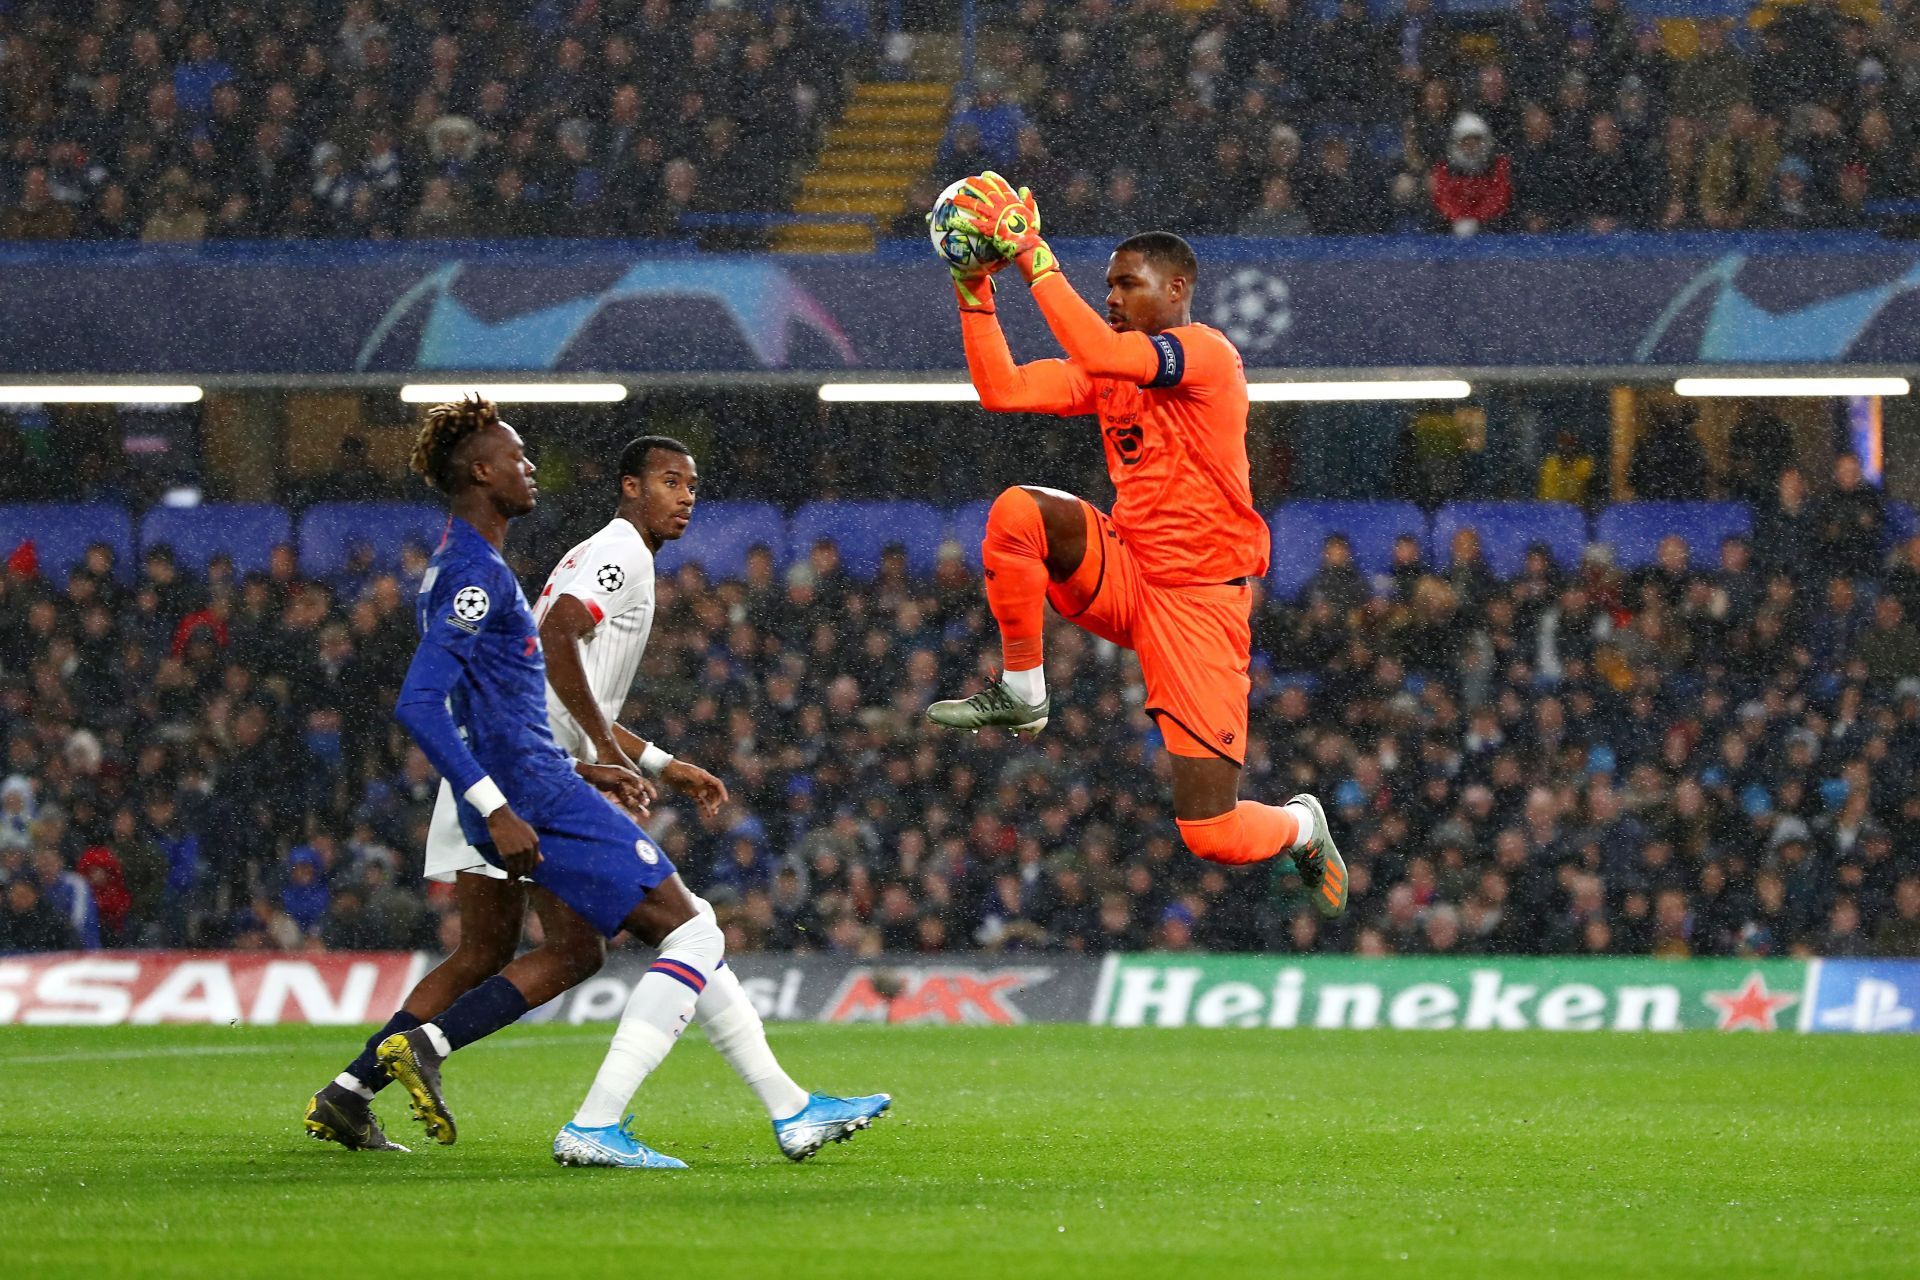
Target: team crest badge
(648, 854)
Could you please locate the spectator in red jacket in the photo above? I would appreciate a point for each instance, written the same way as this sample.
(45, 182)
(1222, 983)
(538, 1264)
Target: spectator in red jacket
(1474, 188)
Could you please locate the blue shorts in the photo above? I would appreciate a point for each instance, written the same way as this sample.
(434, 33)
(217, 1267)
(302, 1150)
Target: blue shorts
(593, 857)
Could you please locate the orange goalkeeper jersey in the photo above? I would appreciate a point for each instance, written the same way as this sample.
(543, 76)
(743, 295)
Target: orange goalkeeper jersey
(1173, 419)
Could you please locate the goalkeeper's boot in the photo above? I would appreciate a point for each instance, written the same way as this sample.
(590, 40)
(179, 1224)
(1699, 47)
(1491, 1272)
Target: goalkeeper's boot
(411, 1059)
(343, 1116)
(992, 707)
(611, 1146)
(827, 1119)
(1321, 867)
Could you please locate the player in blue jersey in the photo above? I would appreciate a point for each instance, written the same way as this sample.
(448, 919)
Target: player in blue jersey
(600, 595)
(475, 700)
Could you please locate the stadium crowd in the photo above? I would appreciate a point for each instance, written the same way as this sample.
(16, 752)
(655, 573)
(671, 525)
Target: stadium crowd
(1682, 760)
(1266, 119)
(189, 120)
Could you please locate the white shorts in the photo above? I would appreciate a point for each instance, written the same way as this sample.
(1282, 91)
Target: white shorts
(448, 853)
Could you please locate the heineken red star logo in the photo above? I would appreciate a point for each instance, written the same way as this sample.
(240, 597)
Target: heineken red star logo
(1752, 1006)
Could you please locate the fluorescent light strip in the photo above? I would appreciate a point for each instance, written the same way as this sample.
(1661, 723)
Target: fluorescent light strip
(961, 392)
(1791, 387)
(515, 392)
(99, 393)
(897, 392)
(1408, 389)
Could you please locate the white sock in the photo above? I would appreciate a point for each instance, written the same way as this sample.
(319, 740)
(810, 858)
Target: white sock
(1304, 816)
(734, 1028)
(1030, 686)
(657, 1012)
(347, 1080)
(437, 1038)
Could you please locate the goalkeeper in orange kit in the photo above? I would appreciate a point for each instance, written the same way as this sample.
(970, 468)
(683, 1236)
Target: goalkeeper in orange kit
(1169, 573)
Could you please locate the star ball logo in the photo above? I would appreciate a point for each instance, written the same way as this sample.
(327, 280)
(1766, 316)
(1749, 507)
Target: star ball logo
(611, 577)
(470, 604)
(1254, 309)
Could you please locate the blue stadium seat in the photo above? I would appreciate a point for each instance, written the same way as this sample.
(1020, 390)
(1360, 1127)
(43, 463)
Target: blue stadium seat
(330, 529)
(863, 529)
(1901, 523)
(1507, 529)
(61, 532)
(1634, 529)
(245, 531)
(1300, 529)
(967, 525)
(721, 535)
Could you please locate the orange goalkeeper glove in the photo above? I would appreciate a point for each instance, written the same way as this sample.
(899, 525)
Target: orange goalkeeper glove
(973, 286)
(1009, 220)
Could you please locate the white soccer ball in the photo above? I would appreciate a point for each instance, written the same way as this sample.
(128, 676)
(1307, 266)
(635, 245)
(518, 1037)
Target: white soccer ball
(957, 244)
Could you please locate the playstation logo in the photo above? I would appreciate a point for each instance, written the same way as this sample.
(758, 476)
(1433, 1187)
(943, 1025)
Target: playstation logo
(1876, 1007)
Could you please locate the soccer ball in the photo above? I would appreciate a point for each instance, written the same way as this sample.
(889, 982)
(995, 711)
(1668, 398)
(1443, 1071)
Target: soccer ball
(957, 244)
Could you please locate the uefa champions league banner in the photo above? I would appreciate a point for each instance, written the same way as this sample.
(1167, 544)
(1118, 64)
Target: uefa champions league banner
(118, 988)
(647, 309)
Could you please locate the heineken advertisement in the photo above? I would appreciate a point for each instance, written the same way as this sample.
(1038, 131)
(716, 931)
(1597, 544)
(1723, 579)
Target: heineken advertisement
(1475, 994)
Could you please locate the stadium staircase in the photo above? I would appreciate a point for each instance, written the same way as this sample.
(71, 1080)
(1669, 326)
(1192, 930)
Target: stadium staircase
(886, 141)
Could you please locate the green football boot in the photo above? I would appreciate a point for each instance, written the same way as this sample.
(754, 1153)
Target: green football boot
(991, 708)
(1322, 869)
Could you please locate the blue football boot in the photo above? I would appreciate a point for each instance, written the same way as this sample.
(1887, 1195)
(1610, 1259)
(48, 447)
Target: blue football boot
(611, 1146)
(827, 1119)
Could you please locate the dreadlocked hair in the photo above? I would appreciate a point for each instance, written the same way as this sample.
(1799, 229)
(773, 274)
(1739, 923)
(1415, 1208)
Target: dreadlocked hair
(447, 427)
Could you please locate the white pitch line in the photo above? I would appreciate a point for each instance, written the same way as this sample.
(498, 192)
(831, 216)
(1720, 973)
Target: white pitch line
(228, 1050)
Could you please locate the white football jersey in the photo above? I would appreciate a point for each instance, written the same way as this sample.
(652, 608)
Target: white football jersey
(612, 574)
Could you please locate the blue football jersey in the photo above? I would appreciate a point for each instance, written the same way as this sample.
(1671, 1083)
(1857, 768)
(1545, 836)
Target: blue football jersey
(471, 607)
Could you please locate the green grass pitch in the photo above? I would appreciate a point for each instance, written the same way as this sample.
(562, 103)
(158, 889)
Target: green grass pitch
(1019, 1152)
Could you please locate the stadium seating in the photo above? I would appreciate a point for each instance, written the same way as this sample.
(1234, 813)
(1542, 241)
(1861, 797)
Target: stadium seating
(1634, 529)
(967, 526)
(723, 532)
(1300, 529)
(1901, 523)
(1507, 529)
(721, 535)
(330, 530)
(862, 530)
(246, 532)
(61, 533)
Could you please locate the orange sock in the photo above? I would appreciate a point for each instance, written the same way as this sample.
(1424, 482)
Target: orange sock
(1015, 554)
(1249, 832)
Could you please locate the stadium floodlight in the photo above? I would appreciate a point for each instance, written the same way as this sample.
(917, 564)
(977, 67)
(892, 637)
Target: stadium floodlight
(515, 392)
(1397, 389)
(1791, 387)
(897, 392)
(99, 393)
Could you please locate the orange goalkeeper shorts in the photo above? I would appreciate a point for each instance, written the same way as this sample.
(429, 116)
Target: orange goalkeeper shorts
(1194, 642)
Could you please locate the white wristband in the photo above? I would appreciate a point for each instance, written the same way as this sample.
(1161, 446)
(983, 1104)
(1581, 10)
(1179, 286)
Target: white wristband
(654, 761)
(485, 795)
